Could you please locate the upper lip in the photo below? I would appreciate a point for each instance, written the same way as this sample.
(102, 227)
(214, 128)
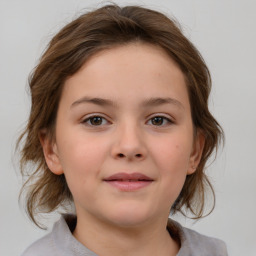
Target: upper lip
(122, 176)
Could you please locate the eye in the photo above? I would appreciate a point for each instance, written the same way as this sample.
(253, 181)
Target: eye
(160, 121)
(95, 121)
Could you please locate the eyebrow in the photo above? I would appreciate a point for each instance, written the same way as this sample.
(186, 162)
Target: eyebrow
(161, 101)
(147, 103)
(96, 101)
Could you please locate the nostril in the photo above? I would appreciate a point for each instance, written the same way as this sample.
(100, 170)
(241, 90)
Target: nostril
(120, 155)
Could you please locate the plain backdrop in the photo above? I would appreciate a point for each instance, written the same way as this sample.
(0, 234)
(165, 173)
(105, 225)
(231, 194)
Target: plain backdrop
(223, 31)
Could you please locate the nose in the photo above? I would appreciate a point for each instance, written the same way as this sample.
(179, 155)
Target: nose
(129, 144)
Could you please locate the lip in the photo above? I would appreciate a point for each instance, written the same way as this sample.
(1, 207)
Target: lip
(129, 181)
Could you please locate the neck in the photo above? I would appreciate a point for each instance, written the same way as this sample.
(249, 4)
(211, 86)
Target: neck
(105, 239)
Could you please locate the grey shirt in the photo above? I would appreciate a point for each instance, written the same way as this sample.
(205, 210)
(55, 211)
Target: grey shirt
(61, 242)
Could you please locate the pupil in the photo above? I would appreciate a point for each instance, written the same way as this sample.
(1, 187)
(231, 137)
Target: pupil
(157, 121)
(96, 120)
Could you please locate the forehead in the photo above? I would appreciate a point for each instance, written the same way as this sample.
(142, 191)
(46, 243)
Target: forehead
(144, 56)
(136, 69)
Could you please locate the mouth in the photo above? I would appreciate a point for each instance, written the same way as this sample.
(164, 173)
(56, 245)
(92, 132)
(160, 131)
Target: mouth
(128, 182)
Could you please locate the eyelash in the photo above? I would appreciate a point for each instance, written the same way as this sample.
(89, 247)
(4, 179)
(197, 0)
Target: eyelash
(89, 119)
(103, 121)
(164, 119)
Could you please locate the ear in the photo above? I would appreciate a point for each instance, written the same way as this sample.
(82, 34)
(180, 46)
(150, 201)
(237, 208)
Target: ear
(197, 151)
(50, 153)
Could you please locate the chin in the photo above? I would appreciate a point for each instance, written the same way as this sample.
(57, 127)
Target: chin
(134, 217)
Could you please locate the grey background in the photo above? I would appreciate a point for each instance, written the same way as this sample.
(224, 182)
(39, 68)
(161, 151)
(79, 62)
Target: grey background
(224, 32)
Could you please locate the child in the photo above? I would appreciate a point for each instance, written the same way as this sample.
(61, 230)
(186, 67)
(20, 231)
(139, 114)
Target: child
(120, 126)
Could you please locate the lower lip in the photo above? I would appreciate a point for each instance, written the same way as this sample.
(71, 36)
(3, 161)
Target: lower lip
(129, 185)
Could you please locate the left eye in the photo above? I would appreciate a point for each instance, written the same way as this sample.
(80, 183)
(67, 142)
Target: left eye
(159, 121)
(95, 121)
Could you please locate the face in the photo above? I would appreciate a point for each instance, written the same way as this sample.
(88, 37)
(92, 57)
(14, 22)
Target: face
(124, 136)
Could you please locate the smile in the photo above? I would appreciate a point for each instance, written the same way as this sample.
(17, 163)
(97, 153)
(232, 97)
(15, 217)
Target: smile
(129, 182)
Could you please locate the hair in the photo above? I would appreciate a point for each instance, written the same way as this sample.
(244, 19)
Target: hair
(97, 30)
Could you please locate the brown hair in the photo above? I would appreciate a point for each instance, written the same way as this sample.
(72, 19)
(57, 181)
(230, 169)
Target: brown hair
(90, 33)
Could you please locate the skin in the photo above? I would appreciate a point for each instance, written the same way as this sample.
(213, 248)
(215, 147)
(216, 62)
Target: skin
(133, 132)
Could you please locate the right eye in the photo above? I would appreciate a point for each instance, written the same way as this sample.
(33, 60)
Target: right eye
(95, 121)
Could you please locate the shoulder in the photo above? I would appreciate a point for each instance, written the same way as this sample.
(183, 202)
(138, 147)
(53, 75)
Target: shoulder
(59, 242)
(48, 245)
(202, 244)
(41, 247)
(194, 243)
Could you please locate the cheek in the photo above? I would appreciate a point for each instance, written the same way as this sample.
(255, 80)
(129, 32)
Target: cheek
(81, 169)
(171, 158)
(173, 173)
(81, 160)
(172, 155)
(79, 150)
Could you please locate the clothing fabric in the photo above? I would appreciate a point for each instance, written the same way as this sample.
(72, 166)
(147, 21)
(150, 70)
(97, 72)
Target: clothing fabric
(61, 242)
